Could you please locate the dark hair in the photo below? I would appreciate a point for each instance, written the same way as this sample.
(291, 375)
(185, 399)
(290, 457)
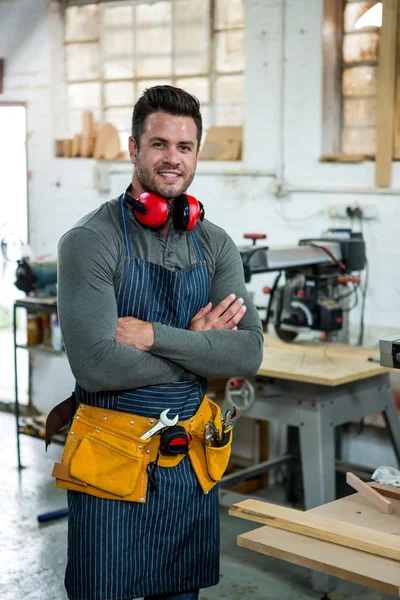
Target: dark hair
(167, 99)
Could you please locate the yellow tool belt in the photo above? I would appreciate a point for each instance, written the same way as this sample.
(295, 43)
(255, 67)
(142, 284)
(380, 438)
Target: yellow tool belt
(105, 457)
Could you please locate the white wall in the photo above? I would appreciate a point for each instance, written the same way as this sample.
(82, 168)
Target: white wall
(282, 136)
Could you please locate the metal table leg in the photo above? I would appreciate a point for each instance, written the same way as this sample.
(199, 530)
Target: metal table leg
(317, 444)
(392, 423)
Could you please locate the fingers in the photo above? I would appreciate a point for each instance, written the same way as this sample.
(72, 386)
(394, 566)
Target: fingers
(227, 314)
(222, 306)
(202, 312)
(233, 309)
(235, 320)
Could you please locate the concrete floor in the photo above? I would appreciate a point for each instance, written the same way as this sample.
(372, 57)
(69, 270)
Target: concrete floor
(33, 556)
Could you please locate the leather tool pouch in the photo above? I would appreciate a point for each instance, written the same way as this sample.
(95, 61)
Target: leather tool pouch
(106, 465)
(105, 457)
(217, 459)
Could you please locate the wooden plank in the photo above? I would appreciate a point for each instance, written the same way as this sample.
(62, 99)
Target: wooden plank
(107, 143)
(76, 145)
(397, 100)
(87, 142)
(67, 148)
(388, 491)
(375, 572)
(326, 529)
(369, 493)
(343, 158)
(59, 148)
(332, 36)
(386, 93)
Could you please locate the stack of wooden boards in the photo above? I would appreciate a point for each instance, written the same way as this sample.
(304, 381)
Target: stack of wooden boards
(349, 538)
(99, 143)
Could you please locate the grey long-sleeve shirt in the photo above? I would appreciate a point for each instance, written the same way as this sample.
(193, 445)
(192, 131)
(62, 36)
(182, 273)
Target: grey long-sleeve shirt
(90, 263)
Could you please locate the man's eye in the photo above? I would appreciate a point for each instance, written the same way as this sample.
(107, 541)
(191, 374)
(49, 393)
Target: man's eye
(158, 144)
(185, 148)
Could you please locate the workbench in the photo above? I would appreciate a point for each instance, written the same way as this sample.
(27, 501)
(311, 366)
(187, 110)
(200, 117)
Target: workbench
(352, 564)
(316, 387)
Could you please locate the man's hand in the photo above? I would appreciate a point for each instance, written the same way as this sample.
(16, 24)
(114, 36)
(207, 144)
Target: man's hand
(135, 333)
(226, 315)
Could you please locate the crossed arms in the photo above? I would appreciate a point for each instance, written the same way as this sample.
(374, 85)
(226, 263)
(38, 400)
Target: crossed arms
(107, 353)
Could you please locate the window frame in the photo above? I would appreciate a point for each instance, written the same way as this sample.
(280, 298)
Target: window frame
(332, 94)
(211, 74)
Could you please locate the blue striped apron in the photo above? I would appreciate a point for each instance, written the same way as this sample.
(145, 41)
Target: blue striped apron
(123, 550)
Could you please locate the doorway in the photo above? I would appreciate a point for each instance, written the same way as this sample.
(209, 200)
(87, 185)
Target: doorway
(13, 235)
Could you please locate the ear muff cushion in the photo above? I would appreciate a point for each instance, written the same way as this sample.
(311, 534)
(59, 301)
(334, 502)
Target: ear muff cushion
(158, 210)
(180, 215)
(187, 211)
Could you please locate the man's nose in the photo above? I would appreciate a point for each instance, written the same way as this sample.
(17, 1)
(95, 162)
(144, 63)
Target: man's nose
(171, 156)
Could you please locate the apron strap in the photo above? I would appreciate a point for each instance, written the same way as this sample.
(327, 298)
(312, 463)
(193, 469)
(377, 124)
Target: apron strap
(60, 416)
(197, 246)
(124, 219)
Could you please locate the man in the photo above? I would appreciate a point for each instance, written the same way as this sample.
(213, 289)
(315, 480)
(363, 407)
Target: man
(150, 305)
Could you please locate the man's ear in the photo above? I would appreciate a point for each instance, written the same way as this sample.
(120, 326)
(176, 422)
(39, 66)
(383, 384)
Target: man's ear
(133, 150)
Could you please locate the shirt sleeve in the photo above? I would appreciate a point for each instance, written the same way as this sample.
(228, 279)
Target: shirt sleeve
(88, 315)
(217, 353)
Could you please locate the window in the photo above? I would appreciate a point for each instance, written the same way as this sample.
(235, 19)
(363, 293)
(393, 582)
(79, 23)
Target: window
(359, 81)
(350, 79)
(116, 50)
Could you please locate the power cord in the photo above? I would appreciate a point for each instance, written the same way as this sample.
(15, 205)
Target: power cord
(271, 296)
(341, 266)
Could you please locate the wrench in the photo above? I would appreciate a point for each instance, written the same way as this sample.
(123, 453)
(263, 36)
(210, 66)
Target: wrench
(231, 417)
(161, 424)
(229, 421)
(211, 434)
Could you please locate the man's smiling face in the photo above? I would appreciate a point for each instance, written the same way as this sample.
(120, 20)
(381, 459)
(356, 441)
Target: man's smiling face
(165, 161)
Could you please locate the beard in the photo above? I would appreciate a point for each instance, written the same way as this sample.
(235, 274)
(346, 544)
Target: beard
(150, 183)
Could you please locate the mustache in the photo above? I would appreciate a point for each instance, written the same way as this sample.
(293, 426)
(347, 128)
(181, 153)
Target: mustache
(169, 168)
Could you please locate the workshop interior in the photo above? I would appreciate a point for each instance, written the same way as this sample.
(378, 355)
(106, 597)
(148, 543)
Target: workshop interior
(299, 164)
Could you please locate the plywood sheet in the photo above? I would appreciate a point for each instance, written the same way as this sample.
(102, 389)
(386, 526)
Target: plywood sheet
(322, 528)
(356, 510)
(222, 143)
(323, 348)
(322, 367)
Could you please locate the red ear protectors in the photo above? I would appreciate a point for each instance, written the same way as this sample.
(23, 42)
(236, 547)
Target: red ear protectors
(153, 211)
(187, 211)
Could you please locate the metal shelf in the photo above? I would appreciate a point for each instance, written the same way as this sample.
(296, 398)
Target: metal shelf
(48, 305)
